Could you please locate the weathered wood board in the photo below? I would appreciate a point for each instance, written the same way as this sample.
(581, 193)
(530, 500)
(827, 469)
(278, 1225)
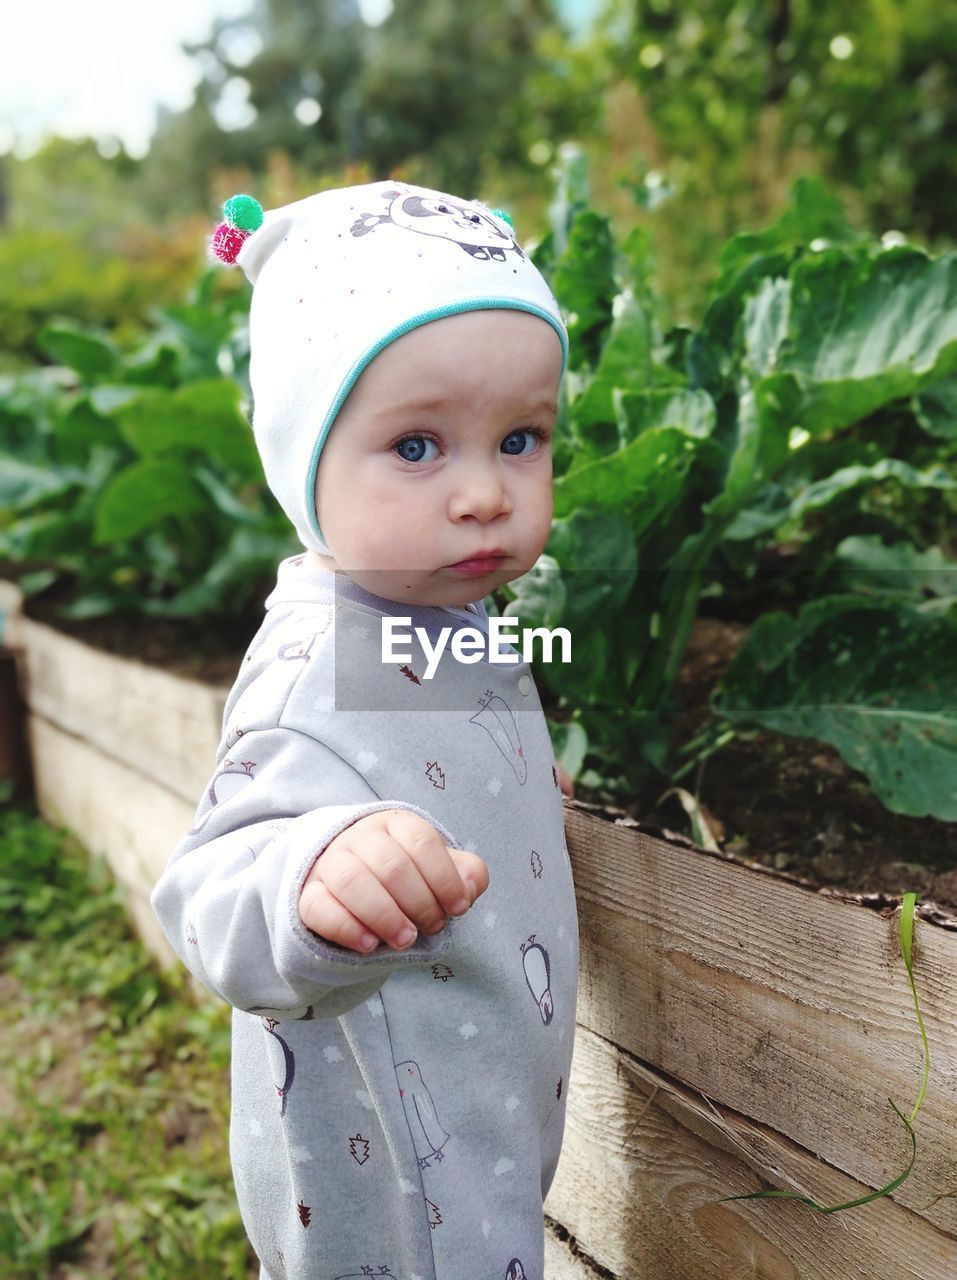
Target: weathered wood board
(787, 1009)
(647, 1161)
(561, 1263)
(165, 726)
(116, 811)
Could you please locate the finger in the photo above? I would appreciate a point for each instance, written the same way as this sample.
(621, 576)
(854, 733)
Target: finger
(433, 859)
(472, 869)
(325, 916)
(352, 883)
(399, 874)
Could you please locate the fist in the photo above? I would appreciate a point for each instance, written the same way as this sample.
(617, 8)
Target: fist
(386, 877)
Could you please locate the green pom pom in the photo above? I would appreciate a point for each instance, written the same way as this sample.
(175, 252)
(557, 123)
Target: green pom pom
(500, 213)
(243, 212)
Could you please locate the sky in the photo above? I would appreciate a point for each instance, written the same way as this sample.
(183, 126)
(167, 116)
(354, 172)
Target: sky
(102, 67)
(98, 68)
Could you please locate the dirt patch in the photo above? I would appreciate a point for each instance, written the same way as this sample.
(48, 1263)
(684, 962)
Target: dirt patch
(794, 804)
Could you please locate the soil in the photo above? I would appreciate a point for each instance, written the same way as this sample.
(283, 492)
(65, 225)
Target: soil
(794, 805)
(209, 651)
(788, 804)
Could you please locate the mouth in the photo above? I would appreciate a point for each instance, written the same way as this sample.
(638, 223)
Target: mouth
(482, 562)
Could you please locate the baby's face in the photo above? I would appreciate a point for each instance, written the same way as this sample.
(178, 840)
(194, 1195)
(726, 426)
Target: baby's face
(442, 452)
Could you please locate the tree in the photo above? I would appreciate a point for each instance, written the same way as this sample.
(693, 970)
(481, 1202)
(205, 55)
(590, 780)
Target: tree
(435, 85)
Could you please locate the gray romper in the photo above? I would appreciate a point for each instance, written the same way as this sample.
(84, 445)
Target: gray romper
(396, 1114)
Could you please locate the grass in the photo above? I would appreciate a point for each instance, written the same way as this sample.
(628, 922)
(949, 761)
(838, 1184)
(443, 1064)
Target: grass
(114, 1085)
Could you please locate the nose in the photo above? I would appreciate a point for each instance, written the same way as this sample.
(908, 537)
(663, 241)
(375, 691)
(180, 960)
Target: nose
(480, 493)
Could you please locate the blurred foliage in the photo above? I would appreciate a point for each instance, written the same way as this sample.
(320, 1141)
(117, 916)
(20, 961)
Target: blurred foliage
(130, 477)
(869, 87)
(431, 85)
(697, 120)
(720, 106)
(79, 246)
(48, 274)
(114, 1134)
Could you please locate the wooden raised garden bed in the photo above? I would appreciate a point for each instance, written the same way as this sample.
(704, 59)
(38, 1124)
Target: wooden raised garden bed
(736, 1029)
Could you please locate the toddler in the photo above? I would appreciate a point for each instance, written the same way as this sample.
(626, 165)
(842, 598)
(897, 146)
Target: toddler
(376, 878)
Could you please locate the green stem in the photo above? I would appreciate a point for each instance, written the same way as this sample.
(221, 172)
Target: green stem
(677, 623)
(906, 940)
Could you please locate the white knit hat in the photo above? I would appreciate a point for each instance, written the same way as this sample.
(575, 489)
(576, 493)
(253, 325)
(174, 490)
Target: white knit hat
(337, 277)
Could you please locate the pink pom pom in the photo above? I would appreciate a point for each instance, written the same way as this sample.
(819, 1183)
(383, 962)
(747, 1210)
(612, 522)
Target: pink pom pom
(227, 242)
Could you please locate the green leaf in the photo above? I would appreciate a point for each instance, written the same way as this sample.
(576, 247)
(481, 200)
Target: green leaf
(813, 213)
(81, 427)
(32, 583)
(907, 930)
(142, 495)
(760, 446)
(88, 351)
(584, 284)
(936, 409)
(692, 412)
(644, 478)
(599, 560)
(823, 492)
(46, 535)
(157, 363)
(108, 397)
(877, 681)
(224, 499)
(714, 350)
(571, 193)
(226, 586)
(864, 331)
(23, 486)
(203, 417)
(583, 679)
(768, 510)
(537, 598)
(765, 325)
(907, 951)
(624, 363)
(847, 1204)
(899, 571)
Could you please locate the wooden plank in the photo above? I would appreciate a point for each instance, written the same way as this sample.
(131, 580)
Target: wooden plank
(166, 726)
(787, 1006)
(647, 1160)
(561, 1261)
(115, 811)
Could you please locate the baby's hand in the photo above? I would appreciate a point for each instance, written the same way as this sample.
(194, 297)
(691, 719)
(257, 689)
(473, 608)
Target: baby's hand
(387, 876)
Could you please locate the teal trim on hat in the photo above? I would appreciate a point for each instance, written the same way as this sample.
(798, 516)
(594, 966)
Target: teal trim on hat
(474, 304)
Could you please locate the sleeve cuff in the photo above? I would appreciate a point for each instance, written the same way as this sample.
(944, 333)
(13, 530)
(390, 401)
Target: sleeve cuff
(311, 958)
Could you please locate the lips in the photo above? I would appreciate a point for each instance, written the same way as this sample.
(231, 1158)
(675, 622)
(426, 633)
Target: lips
(480, 557)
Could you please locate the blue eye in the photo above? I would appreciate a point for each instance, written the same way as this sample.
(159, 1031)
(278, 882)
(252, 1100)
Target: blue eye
(518, 438)
(412, 448)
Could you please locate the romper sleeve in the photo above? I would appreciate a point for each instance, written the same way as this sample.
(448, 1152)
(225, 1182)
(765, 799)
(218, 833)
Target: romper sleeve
(228, 900)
